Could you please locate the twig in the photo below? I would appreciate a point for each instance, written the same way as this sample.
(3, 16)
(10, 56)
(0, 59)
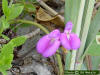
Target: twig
(97, 5)
(33, 33)
(3, 41)
(29, 35)
(88, 61)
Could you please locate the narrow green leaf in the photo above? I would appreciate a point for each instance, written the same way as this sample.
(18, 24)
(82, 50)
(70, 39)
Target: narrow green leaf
(71, 14)
(94, 28)
(72, 11)
(86, 27)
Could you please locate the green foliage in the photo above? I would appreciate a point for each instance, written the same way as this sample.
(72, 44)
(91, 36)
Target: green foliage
(3, 24)
(13, 11)
(5, 37)
(72, 11)
(94, 48)
(94, 28)
(95, 62)
(30, 7)
(18, 41)
(6, 54)
(86, 24)
(10, 12)
(5, 7)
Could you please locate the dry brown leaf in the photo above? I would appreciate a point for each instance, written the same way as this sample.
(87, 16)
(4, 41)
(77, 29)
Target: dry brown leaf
(43, 16)
(48, 25)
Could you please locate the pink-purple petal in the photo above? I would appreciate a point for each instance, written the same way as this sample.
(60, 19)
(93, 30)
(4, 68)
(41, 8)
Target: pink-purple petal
(51, 50)
(68, 26)
(64, 41)
(54, 34)
(74, 41)
(43, 44)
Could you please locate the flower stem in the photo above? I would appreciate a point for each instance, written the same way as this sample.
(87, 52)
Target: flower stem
(61, 71)
(47, 32)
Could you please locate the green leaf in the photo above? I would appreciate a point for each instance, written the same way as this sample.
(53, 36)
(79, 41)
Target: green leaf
(30, 7)
(5, 37)
(86, 24)
(72, 11)
(94, 48)
(15, 11)
(5, 7)
(19, 41)
(3, 72)
(3, 24)
(94, 28)
(6, 57)
(6, 54)
(95, 62)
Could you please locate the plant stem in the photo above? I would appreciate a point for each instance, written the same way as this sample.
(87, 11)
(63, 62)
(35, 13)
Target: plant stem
(47, 32)
(61, 72)
(79, 21)
(35, 24)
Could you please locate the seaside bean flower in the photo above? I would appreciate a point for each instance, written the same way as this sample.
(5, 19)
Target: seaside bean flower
(69, 40)
(49, 43)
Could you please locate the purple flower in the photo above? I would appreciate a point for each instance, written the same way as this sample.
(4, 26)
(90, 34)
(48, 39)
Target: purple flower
(48, 44)
(69, 40)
